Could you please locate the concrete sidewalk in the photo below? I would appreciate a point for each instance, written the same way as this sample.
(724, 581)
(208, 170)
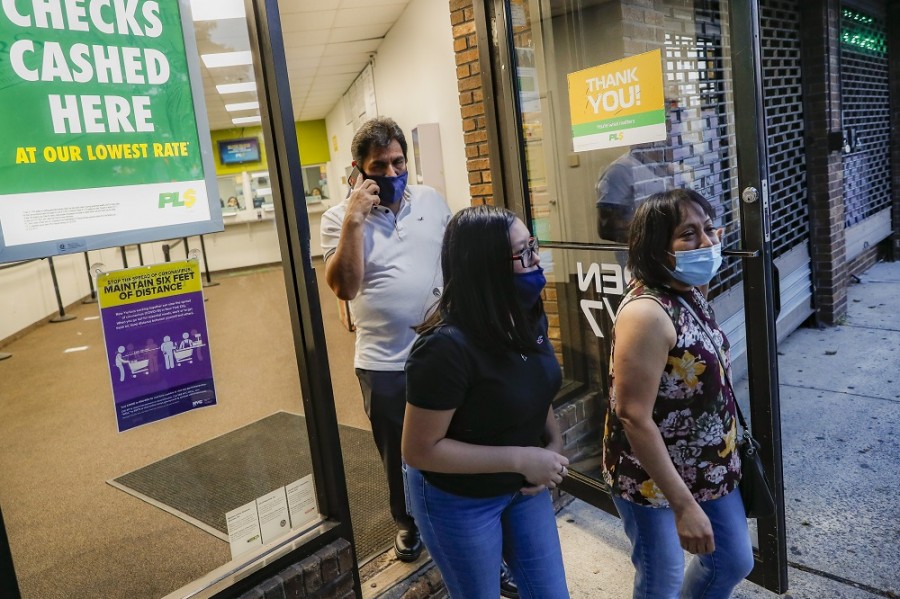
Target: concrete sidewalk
(840, 406)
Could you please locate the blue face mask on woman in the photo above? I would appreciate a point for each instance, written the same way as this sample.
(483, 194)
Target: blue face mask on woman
(390, 189)
(529, 286)
(697, 267)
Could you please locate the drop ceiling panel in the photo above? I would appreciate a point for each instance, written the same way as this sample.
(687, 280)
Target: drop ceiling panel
(286, 7)
(327, 44)
(308, 21)
(345, 48)
(373, 6)
(385, 14)
(362, 32)
(306, 38)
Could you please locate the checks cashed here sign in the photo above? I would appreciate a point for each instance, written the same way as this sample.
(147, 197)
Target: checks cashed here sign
(100, 141)
(619, 103)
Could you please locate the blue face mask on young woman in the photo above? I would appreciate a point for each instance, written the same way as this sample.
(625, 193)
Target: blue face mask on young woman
(390, 189)
(697, 267)
(529, 286)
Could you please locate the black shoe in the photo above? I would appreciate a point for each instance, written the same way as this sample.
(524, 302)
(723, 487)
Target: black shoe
(508, 586)
(408, 545)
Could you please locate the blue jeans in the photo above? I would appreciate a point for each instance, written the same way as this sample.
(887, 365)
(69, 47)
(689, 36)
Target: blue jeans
(659, 560)
(467, 537)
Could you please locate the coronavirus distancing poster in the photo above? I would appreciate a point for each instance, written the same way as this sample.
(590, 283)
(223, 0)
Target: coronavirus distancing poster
(157, 345)
(105, 138)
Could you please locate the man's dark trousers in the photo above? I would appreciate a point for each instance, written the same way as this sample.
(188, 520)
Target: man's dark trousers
(384, 397)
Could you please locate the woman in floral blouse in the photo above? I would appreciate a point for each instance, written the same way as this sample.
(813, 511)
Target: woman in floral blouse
(669, 447)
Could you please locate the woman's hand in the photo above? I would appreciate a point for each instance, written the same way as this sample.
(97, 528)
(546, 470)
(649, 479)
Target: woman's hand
(694, 529)
(542, 468)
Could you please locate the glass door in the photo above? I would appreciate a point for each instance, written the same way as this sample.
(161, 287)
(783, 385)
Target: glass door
(616, 100)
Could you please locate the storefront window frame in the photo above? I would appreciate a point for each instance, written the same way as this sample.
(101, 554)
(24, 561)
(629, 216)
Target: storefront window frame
(292, 223)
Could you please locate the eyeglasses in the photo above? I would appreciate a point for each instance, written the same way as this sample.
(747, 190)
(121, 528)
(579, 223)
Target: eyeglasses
(526, 258)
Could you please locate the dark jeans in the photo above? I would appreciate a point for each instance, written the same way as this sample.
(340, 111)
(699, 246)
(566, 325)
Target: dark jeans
(384, 397)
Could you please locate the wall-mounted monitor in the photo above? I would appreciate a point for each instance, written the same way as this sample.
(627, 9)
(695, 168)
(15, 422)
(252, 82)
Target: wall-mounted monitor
(239, 151)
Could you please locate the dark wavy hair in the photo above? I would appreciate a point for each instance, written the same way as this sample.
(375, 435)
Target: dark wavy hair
(651, 232)
(479, 294)
(379, 133)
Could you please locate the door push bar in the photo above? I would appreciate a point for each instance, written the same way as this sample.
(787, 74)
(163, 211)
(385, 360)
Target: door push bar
(618, 247)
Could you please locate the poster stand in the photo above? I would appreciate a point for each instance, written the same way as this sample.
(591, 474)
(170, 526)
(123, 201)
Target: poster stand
(92, 298)
(62, 316)
(208, 282)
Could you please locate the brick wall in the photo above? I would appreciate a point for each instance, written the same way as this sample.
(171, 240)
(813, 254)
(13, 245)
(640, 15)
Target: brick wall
(471, 101)
(822, 107)
(864, 261)
(327, 574)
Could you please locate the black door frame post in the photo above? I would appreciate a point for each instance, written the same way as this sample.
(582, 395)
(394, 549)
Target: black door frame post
(292, 222)
(759, 282)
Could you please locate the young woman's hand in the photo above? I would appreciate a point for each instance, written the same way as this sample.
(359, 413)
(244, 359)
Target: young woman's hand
(694, 529)
(542, 468)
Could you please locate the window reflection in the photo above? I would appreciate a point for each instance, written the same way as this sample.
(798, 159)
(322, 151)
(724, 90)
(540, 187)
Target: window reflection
(589, 197)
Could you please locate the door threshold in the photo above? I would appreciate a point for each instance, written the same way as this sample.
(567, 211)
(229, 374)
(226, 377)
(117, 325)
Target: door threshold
(385, 576)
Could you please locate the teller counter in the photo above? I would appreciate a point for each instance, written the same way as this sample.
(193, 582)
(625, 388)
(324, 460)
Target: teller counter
(250, 237)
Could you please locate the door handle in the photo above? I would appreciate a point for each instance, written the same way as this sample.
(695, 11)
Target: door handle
(741, 253)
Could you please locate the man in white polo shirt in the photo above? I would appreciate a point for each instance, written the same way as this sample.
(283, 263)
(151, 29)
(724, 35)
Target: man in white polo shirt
(382, 249)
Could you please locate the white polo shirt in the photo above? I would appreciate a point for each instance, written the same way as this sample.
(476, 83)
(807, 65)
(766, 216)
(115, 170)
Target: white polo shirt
(402, 273)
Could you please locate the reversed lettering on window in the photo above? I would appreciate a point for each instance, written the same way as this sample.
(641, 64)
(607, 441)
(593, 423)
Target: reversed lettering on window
(607, 280)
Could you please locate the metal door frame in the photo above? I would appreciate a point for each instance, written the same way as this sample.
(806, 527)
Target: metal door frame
(494, 31)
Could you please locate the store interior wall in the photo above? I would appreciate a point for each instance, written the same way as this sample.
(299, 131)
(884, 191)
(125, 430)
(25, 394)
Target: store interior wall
(415, 83)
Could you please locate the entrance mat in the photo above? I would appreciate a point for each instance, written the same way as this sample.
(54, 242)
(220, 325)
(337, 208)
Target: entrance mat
(204, 482)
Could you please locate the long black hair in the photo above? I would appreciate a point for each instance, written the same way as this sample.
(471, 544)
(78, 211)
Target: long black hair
(479, 294)
(651, 232)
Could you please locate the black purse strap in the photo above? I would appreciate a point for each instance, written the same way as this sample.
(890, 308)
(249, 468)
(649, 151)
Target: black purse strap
(724, 366)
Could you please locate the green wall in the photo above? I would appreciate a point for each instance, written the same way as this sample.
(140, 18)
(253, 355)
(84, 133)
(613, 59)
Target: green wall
(312, 141)
(312, 137)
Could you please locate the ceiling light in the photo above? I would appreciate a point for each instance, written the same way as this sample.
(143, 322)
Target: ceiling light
(247, 120)
(236, 88)
(227, 59)
(242, 106)
(213, 10)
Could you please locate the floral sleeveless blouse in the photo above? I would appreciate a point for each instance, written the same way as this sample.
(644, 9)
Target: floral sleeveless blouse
(694, 410)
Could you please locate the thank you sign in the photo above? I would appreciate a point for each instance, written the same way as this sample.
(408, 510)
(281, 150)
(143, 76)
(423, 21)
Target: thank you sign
(618, 103)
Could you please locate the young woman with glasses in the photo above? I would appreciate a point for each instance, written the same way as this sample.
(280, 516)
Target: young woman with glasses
(480, 441)
(669, 448)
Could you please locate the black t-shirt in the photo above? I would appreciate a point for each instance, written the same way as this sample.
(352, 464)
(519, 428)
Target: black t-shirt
(500, 399)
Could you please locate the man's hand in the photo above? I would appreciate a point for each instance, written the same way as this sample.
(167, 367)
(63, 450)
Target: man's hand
(363, 197)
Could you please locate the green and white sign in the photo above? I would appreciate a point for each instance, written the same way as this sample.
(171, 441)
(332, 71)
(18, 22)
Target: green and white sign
(105, 140)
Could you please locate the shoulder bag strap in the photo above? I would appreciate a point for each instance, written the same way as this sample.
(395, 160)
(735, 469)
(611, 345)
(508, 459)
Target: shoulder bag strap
(706, 330)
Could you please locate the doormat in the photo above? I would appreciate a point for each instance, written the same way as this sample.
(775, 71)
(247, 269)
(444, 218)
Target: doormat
(201, 484)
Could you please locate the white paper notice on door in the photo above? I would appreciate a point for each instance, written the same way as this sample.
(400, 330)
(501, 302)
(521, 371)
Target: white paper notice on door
(243, 529)
(273, 515)
(301, 496)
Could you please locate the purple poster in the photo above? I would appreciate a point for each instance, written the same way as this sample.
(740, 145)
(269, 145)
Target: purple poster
(154, 323)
